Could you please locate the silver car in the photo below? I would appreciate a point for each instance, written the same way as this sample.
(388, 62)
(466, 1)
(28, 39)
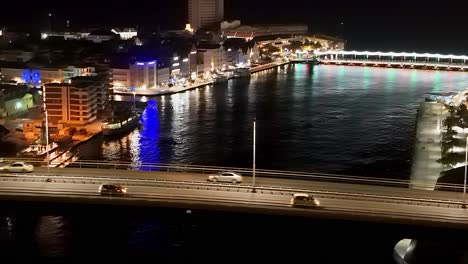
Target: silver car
(227, 176)
(18, 167)
(304, 200)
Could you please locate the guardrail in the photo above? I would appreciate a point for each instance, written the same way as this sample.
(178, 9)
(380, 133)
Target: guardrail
(200, 169)
(232, 187)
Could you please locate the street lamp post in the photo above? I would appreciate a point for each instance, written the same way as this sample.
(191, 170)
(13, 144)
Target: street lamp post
(134, 107)
(254, 145)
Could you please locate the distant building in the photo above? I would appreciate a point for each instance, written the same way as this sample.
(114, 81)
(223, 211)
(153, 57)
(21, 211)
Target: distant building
(126, 33)
(101, 82)
(15, 55)
(211, 57)
(72, 104)
(327, 42)
(204, 13)
(140, 74)
(250, 32)
(65, 35)
(239, 52)
(100, 36)
(41, 75)
(16, 105)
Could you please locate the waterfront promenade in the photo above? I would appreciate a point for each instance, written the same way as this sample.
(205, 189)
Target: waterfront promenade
(189, 86)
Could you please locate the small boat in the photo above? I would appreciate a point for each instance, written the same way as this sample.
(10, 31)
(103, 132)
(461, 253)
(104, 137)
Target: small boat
(241, 72)
(119, 125)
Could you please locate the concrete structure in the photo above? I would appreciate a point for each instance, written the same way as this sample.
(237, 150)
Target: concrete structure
(202, 13)
(425, 169)
(410, 208)
(71, 104)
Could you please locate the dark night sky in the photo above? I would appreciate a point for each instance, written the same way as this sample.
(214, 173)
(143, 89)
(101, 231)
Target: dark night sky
(368, 25)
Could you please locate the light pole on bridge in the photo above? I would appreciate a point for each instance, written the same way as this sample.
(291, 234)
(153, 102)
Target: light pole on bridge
(254, 145)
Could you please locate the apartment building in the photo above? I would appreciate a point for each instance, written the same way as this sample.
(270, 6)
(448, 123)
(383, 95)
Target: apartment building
(72, 104)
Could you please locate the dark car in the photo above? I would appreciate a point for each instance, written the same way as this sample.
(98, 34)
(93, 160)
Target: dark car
(112, 189)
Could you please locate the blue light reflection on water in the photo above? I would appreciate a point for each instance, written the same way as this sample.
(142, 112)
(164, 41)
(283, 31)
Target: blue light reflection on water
(149, 136)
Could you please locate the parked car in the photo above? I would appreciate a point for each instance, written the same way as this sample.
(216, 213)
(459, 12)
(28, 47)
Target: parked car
(17, 167)
(304, 200)
(225, 177)
(112, 189)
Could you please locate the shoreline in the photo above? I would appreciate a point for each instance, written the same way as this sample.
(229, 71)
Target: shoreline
(425, 169)
(158, 92)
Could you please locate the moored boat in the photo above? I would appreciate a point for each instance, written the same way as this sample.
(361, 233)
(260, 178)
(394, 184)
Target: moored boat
(241, 72)
(119, 125)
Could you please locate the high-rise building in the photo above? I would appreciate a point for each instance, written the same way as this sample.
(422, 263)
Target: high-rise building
(205, 12)
(72, 104)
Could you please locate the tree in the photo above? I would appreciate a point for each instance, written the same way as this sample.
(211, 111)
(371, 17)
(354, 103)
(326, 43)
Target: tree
(449, 142)
(452, 159)
(462, 111)
(295, 45)
(271, 49)
(451, 121)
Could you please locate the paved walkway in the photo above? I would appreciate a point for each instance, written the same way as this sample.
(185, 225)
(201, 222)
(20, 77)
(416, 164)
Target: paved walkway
(425, 169)
(163, 90)
(178, 89)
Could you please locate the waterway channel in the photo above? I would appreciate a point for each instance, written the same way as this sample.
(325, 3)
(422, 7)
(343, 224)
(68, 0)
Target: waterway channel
(322, 118)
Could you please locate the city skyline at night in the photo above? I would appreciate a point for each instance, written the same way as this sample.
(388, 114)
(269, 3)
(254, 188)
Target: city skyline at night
(366, 25)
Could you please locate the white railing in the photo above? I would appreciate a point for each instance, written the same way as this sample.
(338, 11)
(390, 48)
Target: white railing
(398, 62)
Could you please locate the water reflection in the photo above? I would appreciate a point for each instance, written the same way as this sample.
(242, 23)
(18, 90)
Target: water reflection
(325, 118)
(51, 236)
(146, 146)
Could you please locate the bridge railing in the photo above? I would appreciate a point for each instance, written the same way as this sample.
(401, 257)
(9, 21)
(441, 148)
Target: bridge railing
(205, 170)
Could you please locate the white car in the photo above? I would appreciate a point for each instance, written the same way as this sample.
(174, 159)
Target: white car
(304, 200)
(232, 177)
(18, 167)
